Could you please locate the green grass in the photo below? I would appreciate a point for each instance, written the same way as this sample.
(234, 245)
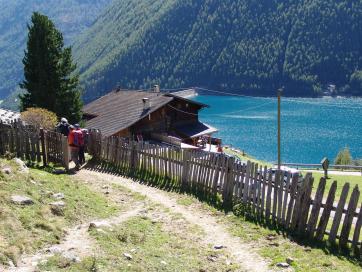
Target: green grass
(341, 180)
(152, 249)
(246, 157)
(186, 200)
(307, 256)
(27, 228)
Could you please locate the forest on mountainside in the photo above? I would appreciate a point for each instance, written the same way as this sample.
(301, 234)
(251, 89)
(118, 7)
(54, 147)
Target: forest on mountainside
(252, 46)
(248, 46)
(71, 16)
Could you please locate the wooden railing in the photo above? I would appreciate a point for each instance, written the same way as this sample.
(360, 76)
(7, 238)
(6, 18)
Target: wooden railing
(36, 145)
(278, 198)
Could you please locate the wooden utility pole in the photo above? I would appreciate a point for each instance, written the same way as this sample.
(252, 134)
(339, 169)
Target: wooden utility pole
(279, 98)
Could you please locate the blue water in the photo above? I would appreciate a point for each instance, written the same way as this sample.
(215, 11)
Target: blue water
(312, 128)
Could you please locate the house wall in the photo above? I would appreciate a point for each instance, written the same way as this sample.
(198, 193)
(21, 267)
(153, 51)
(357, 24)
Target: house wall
(166, 117)
(125, 133)
(180, 111)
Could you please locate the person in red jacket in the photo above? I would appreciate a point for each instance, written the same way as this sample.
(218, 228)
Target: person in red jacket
(74, 147)
(80, 139)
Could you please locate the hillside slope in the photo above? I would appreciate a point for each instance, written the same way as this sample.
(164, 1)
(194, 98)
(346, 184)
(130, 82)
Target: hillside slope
(70, 16)
(253, 46)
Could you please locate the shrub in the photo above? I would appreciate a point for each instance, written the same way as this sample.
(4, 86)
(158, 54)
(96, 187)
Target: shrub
(344, 157)
(39, 117)
(355, 83)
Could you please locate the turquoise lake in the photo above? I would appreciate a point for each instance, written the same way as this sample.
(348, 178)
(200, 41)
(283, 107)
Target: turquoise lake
(312, 128)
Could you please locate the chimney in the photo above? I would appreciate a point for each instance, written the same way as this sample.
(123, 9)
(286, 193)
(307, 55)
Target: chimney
(156, 88)
(146, 103)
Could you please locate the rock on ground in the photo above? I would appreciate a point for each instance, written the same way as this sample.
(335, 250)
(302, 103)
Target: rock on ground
(6, 170)
(71, 257)
(128, 256)
(57, 208)
(58, 196)
(21, 165)
(283, 265)
(99, 224)
(21, 200)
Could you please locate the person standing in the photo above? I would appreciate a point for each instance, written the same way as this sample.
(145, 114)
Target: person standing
(63, 127)
(74, 147)
(79, 137)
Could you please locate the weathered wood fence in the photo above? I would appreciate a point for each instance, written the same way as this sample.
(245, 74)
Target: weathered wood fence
(276, 198)
(36, 145)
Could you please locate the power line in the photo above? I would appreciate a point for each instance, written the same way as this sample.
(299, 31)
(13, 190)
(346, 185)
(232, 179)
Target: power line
(244, 109)
(231, 93)
(191, 113)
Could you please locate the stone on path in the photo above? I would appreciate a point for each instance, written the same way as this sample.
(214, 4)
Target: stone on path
(21, 200)
(54, 250)
(6, 170)
(128, 256)
(212, 258)
(21, 165)
(219, 247)
(289, 260)
(99, 224)
(283, 265)
(271, 237)
(71, 257)
(57, 208)
(59, 196)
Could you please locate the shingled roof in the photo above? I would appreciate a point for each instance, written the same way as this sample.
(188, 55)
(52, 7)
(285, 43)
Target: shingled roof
(121, 109)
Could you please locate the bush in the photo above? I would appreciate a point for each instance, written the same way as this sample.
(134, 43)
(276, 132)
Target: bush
(39, 117)
(344, 157)
(355, 84)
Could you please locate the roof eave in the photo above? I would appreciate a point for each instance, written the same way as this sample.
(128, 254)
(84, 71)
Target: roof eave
(188, 100)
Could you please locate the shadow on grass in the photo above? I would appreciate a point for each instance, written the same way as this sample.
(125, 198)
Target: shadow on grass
(215, 200)
(301, 239)
(156, 180)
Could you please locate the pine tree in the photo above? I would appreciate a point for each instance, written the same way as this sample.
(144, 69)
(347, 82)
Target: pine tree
(49, 73)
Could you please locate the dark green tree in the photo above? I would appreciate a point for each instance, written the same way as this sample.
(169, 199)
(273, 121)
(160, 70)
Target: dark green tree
(50, 80)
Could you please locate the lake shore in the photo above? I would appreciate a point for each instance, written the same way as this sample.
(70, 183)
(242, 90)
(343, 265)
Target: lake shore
(311, 128)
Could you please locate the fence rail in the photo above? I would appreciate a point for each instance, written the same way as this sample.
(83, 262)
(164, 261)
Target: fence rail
(278, 198)
(332, 166)
(36, 145)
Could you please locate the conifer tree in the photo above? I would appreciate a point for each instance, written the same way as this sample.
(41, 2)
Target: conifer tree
(50, 80)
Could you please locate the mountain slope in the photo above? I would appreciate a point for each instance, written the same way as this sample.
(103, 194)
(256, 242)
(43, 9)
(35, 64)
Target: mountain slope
(253, 46)
(70, 16)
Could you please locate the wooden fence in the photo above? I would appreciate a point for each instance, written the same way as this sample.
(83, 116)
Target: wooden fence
(278, 198)
(36, 145)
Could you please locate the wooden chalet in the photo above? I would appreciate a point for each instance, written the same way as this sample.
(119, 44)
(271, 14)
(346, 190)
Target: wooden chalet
(141, 115)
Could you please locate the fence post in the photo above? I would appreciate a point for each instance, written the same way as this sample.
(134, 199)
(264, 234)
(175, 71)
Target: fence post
(185, 169)
(65, 152)
(229, 180)
(42, 140)
(133, 158)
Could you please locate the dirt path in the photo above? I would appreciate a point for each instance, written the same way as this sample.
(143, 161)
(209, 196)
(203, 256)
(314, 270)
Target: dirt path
(215, 233)
(76, 244)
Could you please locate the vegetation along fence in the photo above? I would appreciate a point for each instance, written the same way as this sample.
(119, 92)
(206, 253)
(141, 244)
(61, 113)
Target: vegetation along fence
(35, 145)
(279, 198)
